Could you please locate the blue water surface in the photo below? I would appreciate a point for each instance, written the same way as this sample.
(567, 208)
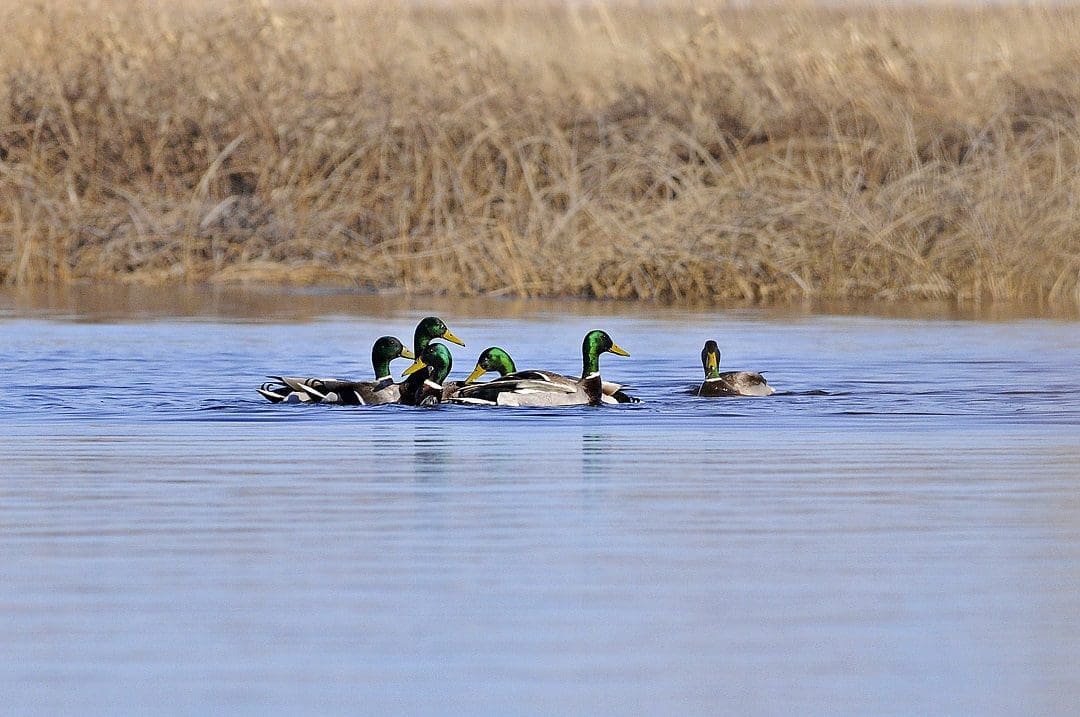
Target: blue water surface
(896, 531)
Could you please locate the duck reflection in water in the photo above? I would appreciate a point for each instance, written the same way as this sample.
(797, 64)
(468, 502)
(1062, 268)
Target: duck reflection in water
(431, 451)
(598, 457)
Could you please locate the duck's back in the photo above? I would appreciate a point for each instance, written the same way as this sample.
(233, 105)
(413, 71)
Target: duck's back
(522, 390)
(736, 383)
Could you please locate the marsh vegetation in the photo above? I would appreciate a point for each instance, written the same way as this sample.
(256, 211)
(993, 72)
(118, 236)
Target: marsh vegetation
(613, 150)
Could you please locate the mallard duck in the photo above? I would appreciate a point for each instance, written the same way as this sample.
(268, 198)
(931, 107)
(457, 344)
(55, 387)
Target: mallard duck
(359, 393)
(534, 388)
(425, 383)
(332, 390)
(495, 359)
(729, 383)
(382, 390)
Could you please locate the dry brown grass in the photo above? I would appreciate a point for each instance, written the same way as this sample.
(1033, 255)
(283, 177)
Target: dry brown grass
(608, 150)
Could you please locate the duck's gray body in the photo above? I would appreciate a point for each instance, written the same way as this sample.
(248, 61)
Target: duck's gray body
(547, 388)
(736, 383)
(539, 388)
(293, 389)
(524, 390)
(353, 393)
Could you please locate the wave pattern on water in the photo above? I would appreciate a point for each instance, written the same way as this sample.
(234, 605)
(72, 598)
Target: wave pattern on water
(894, 532)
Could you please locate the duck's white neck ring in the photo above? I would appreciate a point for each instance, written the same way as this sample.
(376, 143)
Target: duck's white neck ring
(380, 379)
(594, 374)
(431, 384)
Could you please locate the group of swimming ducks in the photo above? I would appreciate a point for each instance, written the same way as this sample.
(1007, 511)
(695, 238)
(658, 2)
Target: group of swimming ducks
(426, 385)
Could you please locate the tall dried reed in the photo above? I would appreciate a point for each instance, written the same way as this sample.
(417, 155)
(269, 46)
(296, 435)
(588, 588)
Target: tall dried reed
(608, 149)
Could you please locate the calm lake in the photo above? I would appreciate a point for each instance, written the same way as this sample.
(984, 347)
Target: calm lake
(895, 532)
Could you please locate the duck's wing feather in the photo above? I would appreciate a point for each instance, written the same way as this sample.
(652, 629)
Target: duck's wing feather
(611, 389)
(612, 392)
(537, 375)
(280, 392)
(737, 383)
(354, 393)
(617, 395)
(513, 389)
(750, 383)
(274, 393)
(329, 390)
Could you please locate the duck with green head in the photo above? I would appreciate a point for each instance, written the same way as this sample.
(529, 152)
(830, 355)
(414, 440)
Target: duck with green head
(497, 360)
(332, 390)
(382, 390)
(729, 383)
(541, 388)
(492, 359)
(426, 383)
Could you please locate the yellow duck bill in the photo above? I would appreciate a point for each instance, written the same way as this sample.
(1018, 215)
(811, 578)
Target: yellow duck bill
(477, 373)
(416, 366)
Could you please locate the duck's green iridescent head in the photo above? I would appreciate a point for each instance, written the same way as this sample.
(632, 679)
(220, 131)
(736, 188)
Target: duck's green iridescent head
(492, 359)
(710, 359)
(385, 350)
(595, 343)
(432, 328)
(437, 360)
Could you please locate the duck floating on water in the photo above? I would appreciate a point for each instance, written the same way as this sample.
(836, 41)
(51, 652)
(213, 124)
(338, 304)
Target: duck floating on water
(349, 393)
(729, 383)
(426, 379)
(426, 383)
(357, 393)
(547, 388)
(495, 359)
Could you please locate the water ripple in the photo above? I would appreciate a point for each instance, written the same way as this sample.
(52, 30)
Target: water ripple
(894, 532)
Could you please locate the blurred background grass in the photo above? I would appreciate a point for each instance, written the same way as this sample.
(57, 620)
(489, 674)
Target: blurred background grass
(672, 151)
